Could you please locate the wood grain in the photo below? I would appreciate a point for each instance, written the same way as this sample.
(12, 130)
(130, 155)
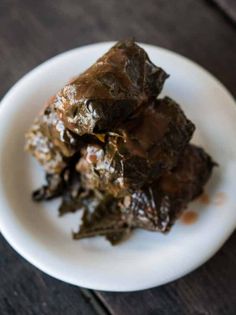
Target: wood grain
(24, 290)
(228, 7)
(33, 31)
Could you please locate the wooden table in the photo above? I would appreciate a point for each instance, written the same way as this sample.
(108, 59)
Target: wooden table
(33, 31)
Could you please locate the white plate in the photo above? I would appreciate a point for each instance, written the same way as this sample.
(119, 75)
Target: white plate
(147, 259)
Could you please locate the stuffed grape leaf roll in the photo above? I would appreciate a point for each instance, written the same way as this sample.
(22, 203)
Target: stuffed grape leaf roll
(107, 93)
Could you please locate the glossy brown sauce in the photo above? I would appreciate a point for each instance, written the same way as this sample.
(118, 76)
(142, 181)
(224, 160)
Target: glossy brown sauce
(189, 217)
(219, 199)
(204, 199)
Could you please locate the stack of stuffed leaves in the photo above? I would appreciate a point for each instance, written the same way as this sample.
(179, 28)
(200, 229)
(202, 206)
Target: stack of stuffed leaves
(111, 148)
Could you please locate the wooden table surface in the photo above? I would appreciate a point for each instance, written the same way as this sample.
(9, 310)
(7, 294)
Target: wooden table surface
(32, 31)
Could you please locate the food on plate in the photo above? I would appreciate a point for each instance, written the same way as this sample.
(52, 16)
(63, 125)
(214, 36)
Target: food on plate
(139, 152)
(113, 149)
(153, 207)
(50, 142)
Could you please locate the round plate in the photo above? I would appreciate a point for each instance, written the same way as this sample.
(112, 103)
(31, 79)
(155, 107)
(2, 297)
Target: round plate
(147, 259)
